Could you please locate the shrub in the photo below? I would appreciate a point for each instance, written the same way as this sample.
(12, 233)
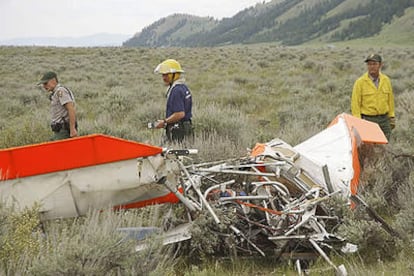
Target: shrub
(19, 238)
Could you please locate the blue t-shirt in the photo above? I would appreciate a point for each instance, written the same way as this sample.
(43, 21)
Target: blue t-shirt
(179, 100)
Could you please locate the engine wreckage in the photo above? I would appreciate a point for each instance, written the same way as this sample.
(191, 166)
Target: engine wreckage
(270, 202)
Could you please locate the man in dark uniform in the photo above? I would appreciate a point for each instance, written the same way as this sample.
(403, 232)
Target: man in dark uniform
(177, 121)
(63, 113)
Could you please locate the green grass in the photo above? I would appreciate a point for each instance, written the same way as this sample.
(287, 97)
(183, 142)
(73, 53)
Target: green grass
(242, 95)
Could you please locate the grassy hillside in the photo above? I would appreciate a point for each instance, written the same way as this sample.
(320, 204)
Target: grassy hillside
(399, 32)
(287, 22)
(171, 30)
(242, 95)
(346, 6)
(297, 9)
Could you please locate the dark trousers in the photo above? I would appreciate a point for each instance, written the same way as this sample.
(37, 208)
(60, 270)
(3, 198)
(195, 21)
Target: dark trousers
(178, 131)
(382, 120)
(61, 130)
(61, 134)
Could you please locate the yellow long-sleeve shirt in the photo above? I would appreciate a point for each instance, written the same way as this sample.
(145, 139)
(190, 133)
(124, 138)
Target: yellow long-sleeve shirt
(367, 99)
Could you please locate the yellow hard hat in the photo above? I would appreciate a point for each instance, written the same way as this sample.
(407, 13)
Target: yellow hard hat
(168, 66)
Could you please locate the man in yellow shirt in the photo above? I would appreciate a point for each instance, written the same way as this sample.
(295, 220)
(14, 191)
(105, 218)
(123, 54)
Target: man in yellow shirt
(372, 96)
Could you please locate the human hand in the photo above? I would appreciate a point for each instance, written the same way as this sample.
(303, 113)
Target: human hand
(160, 124)
(392, 122)
(73, 133)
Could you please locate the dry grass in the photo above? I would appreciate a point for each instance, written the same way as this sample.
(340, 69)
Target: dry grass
(242, 95)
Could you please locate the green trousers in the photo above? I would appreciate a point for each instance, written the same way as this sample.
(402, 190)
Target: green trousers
(383, 121)
(61, 134)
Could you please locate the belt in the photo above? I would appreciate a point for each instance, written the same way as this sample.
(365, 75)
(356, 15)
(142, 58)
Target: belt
(382, 115)
(178, 124)
(56, 127)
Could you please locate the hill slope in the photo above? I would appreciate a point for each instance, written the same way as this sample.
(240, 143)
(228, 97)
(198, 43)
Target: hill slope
(171, 30)
(288, 22)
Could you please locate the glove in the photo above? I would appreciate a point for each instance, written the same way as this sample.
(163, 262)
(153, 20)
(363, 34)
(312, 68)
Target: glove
(392, 122)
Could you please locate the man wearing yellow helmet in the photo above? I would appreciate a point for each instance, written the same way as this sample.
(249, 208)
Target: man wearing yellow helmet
(178, 115)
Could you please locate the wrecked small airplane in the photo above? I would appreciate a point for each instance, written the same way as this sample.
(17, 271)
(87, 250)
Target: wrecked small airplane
(271, 201)
(69, 177)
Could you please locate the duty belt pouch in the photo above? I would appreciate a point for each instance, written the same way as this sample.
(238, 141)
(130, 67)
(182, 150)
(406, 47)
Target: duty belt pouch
(179, 130)
(175, 132)
(56, 127)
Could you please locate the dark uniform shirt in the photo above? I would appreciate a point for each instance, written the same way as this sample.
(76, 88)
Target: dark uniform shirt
(179, 99)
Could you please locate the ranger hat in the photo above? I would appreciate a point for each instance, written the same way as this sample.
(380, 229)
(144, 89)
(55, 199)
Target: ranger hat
(47, 77)
(374, 57)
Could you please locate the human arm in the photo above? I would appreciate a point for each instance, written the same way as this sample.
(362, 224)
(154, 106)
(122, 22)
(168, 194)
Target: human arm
(173, 118)
(391, 111)
(70, 107)
(390, 103)
(356, 100)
